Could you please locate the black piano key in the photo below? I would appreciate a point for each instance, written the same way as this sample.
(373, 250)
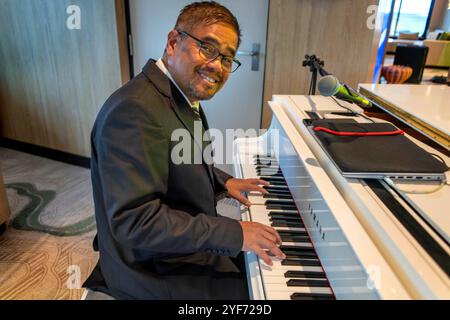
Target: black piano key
(272, 170)
(278, 206)
(277, 224)
(313, 283)
(285, 217)
(299, 254)
(292, 233)
(293, 239)
(311, 296)
(305, 274)
(282, 219)
(295, 248)
(268, 164)
(271, 179)
(280, 202)
(273, 190)
(295, 261)
(305, 255)
(285, 204)
(285, 213)
(278, 196)
(284, 195)
(277, 190)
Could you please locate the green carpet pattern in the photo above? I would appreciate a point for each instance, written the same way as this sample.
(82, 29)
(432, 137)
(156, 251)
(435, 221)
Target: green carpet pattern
(28, 217)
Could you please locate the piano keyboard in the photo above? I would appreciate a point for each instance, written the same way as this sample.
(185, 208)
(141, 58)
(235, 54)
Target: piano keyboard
(300, 276)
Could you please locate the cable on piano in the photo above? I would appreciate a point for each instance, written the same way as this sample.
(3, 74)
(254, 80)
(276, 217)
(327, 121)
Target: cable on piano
(438, 188)
(352, 111)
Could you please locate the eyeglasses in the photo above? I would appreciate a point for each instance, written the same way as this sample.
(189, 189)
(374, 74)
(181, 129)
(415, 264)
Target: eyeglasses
(210, 53)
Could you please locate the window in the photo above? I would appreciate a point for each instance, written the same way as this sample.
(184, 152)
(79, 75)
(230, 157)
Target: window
(411, 16)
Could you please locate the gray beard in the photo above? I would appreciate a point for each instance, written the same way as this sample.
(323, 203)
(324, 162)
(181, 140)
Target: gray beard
(198, 96)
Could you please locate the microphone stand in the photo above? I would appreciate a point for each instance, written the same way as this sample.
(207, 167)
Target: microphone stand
(315, 66)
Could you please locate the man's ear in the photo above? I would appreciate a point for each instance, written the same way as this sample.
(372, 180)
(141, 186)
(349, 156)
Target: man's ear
(172, 39)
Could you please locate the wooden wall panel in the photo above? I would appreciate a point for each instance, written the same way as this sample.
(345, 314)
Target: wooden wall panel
(54, 80)
(334, 30)
(438, 15)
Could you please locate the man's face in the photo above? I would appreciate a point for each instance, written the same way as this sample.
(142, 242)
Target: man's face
(200, 79)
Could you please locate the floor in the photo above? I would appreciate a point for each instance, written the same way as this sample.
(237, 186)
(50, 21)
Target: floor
(46, 252)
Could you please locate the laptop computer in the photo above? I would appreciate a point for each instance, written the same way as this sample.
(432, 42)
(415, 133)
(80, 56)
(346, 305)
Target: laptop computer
(374, 151)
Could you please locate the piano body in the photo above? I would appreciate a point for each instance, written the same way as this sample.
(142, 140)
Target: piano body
(341, 239)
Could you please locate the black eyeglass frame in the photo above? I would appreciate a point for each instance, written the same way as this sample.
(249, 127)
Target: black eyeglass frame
(201, 42)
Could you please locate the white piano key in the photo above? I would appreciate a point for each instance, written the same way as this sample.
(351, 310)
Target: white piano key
(283, 287)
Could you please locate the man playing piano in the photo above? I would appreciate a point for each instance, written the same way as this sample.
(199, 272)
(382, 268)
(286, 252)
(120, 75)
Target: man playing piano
(159, 235)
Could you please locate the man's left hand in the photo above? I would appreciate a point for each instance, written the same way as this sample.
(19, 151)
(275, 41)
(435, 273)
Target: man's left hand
(236, 187)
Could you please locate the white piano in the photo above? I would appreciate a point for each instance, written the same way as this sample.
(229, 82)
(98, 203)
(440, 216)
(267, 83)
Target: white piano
(341, 240)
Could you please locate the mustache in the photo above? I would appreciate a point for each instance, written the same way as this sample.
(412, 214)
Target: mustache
(209, 72)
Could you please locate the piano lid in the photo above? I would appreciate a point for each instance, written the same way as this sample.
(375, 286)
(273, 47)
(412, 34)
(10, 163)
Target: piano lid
(426, 108)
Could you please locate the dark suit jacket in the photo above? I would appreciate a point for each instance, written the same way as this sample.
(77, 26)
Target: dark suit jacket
(158, 232)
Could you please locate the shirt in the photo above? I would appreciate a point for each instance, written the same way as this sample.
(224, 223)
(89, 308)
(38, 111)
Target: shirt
(195, 106)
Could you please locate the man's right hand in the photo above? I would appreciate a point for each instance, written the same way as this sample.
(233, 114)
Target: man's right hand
(258, 238)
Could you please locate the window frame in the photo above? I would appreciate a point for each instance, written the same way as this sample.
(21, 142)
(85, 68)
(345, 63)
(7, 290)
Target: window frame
(396, 18)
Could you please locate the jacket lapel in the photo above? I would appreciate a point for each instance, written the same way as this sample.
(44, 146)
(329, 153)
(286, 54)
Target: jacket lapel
(179, 105)
(206, 143)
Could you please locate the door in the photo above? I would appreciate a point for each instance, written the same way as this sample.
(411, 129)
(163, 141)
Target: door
(238, 105)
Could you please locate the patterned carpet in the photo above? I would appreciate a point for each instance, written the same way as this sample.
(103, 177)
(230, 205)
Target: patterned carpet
(46, 253)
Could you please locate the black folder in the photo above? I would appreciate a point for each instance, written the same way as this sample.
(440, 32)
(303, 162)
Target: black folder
(387, 155)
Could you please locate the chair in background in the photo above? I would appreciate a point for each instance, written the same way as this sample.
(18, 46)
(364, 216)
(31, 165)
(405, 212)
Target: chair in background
(438, 54)
(414, 57)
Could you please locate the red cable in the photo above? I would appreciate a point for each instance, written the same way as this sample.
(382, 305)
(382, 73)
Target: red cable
(359, 134)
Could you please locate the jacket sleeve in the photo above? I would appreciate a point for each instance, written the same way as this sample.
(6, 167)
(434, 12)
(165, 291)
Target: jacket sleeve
(220, 179)
(133, 163)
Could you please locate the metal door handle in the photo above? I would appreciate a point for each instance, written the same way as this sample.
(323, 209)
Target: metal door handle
(254, 54)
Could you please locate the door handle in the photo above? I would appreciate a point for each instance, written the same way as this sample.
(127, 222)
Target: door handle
(254, 54)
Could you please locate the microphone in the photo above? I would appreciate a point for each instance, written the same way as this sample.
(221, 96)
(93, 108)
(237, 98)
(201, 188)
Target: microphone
(329, 86)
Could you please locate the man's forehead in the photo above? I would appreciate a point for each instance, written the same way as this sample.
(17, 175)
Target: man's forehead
(219, 34)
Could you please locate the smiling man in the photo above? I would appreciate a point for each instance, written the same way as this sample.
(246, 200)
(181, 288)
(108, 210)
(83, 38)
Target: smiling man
(159, 235)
